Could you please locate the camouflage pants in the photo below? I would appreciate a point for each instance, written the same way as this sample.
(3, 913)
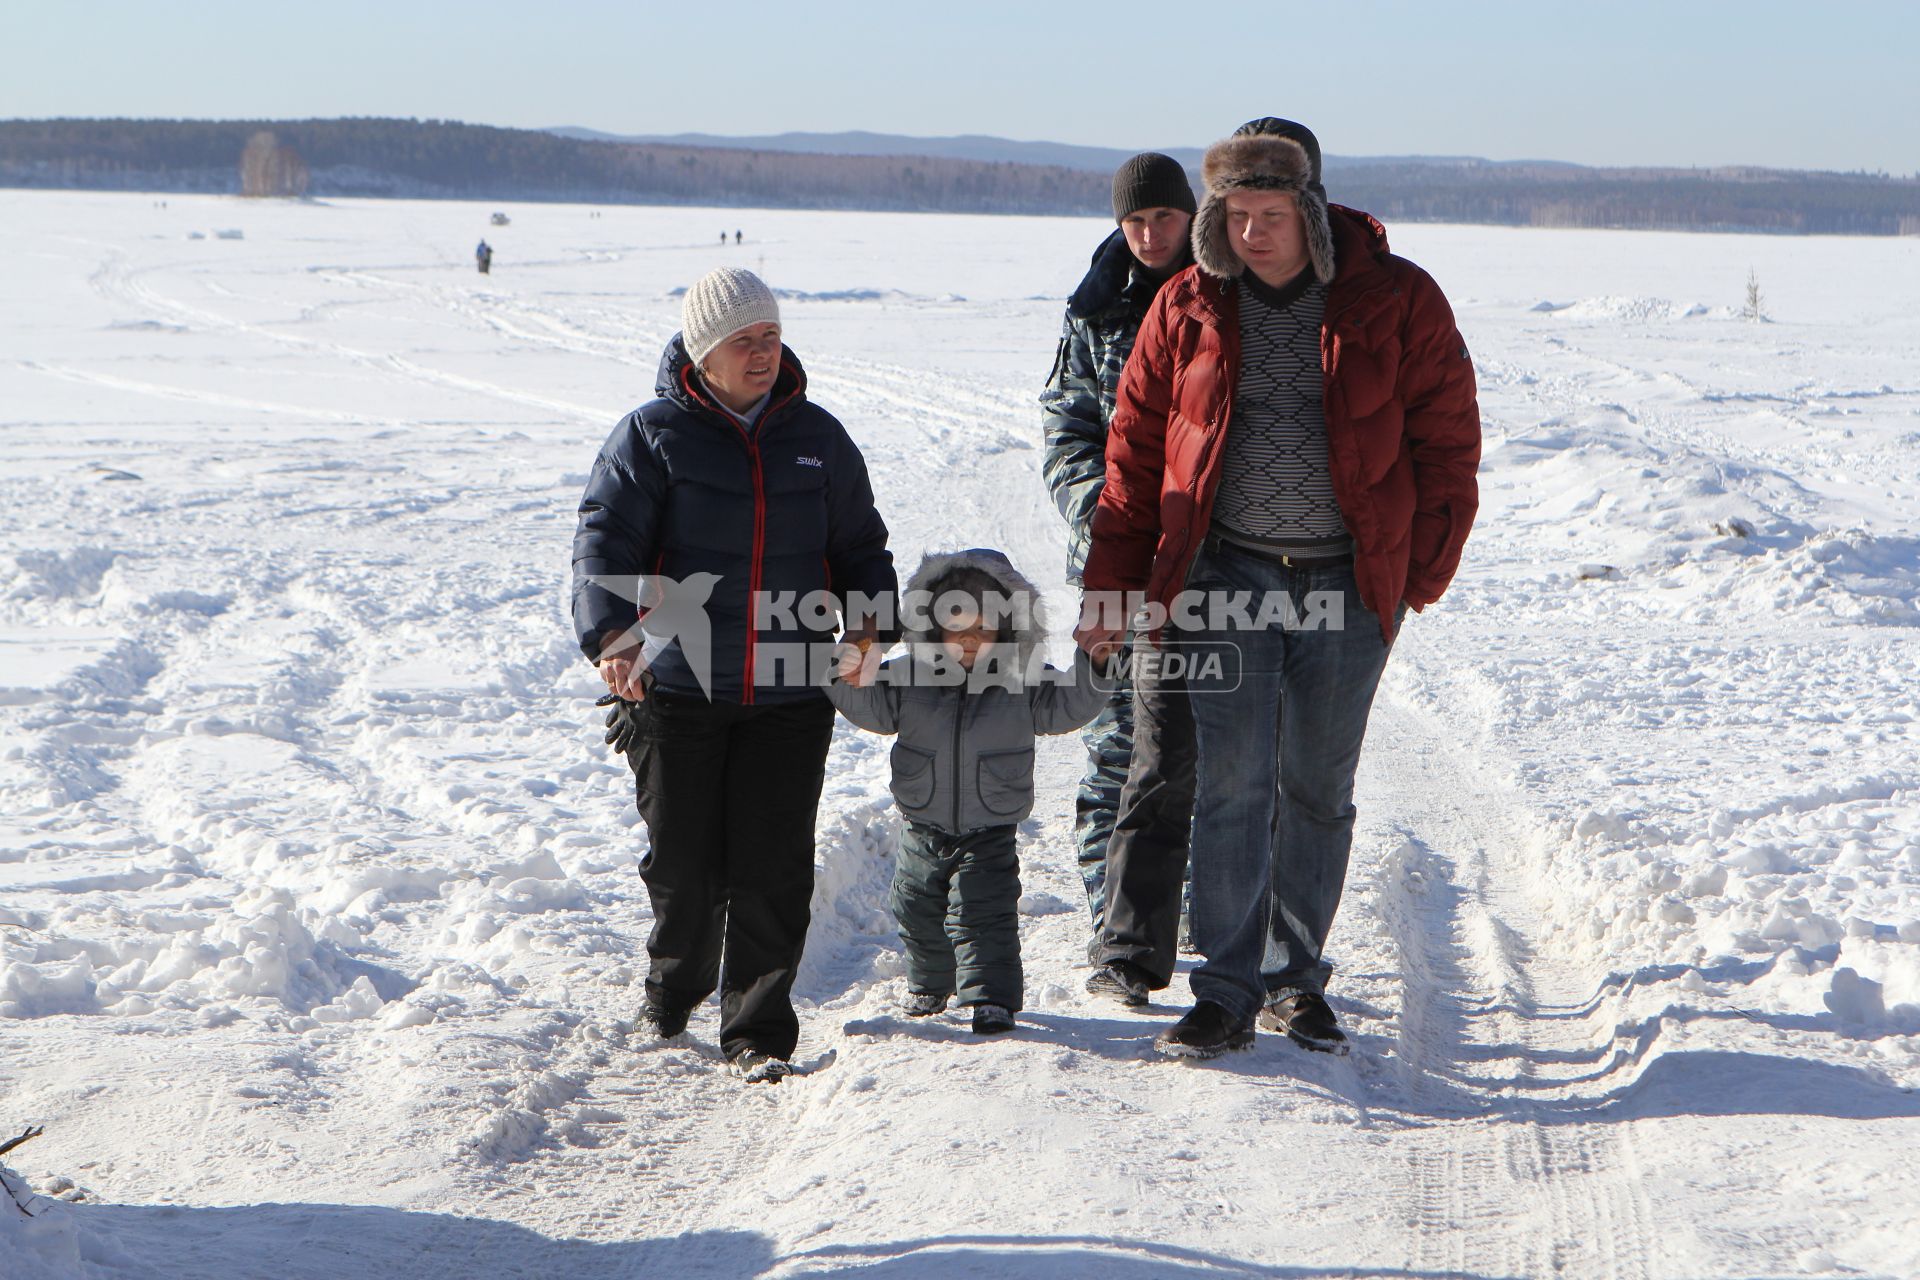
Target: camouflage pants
(1162, 807)
(1109, 743)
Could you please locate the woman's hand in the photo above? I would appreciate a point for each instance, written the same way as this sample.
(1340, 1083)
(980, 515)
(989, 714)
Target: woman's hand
(622, 664)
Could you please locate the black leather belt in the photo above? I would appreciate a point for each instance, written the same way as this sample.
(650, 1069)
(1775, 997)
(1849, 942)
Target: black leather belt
(1216, 543)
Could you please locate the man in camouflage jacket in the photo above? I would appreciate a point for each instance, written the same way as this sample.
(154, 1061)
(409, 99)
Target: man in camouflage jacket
(1153, 204)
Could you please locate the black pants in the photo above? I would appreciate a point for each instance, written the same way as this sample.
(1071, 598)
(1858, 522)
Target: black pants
(1147, 854)
(729, 793)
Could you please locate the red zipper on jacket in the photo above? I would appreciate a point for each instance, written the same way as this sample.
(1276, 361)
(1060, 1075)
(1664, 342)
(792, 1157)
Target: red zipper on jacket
(641, 611)
(759, 550)
(752, 440)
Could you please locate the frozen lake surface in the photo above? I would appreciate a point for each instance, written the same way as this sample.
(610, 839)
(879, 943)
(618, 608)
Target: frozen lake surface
(319, 927)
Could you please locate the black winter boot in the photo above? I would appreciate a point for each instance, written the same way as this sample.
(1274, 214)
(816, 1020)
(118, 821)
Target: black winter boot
(657, 1023)
(756, 1067)
(991, 1019)
(920, 1004)
(1207, 1031)
(1307, 1019)
(1120, 980)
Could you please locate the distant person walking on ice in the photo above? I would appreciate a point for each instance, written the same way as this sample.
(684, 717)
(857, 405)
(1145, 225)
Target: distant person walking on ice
(483, 256)
(966, 699)
(728, 492)
(1153, 206)
(1297, 427)
(737, 236)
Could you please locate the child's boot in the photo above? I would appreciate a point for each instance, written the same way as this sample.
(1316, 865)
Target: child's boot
(923, 1004)
(991, 1019)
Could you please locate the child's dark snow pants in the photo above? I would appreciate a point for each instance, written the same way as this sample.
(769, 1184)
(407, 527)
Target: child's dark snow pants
(957, 899)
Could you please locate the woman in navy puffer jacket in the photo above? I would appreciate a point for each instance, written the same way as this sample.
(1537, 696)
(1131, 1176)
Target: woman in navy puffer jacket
(724, 527)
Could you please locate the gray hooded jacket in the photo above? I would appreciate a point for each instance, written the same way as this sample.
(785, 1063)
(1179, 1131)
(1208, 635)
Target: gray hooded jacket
(965, 755)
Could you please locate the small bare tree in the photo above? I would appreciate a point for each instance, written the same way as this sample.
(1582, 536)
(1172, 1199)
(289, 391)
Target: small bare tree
(255, 161)
(1755, 309)
(289, 172)
(267, 168)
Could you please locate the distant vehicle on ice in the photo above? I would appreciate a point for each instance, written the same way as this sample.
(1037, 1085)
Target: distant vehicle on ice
(501, 219)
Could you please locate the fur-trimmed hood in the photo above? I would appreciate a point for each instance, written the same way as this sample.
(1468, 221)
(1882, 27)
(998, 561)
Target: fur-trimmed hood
(963, 760)
(1262, 157)
(944, 571)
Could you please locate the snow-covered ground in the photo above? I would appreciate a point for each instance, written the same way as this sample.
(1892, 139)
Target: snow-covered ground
(319, 927)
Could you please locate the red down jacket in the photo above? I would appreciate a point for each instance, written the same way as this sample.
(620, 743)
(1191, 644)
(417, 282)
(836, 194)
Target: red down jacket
(1403, 428)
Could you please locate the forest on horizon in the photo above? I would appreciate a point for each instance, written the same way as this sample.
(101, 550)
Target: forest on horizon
(433, 159)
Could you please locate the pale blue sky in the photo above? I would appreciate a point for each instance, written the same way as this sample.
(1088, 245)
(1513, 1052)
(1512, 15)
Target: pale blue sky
(1813, 85)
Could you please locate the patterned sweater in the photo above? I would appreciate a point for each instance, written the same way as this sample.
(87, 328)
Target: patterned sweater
(1276, 492)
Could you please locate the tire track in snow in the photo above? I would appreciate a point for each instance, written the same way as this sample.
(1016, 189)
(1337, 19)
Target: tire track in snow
(898, 415)
(637, 341)
(1516, 1174)
(989, 491)
(215, 399)
(113, 280)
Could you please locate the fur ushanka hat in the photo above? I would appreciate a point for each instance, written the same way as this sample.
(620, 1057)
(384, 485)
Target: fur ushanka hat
(1269, 154)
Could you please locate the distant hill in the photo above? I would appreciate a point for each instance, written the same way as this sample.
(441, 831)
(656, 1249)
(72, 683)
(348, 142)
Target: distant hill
(980, 148)
(434, 159)
(993, 150)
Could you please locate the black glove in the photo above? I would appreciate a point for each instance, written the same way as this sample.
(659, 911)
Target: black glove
(623, 721)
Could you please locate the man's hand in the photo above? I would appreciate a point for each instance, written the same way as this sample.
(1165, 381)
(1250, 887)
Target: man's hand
(1096, 634)
(621, 664)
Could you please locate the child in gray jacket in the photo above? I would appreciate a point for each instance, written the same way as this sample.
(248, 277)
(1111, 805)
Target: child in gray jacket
(966, 698)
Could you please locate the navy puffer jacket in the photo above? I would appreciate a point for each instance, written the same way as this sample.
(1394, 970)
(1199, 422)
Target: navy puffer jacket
(681, 489)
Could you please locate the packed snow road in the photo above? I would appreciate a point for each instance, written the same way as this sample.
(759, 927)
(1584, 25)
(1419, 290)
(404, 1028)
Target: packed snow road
(319, 928)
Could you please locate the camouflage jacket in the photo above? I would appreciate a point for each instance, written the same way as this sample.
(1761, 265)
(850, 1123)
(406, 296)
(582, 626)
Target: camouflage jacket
(1103, 316)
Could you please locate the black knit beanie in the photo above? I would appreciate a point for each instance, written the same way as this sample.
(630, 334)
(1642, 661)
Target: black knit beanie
(1151, 181)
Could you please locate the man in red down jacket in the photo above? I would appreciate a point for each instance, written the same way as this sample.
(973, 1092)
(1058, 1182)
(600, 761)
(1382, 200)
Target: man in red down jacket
(1291, 466)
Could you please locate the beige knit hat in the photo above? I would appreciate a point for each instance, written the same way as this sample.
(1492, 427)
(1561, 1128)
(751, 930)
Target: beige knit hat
(720, 304)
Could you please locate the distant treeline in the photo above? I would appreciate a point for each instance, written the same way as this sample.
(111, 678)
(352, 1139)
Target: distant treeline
(1770, 200)
(443, 159)
(446, 160)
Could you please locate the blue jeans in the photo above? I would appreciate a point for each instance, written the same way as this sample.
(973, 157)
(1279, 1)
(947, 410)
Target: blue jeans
(1279, 730)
